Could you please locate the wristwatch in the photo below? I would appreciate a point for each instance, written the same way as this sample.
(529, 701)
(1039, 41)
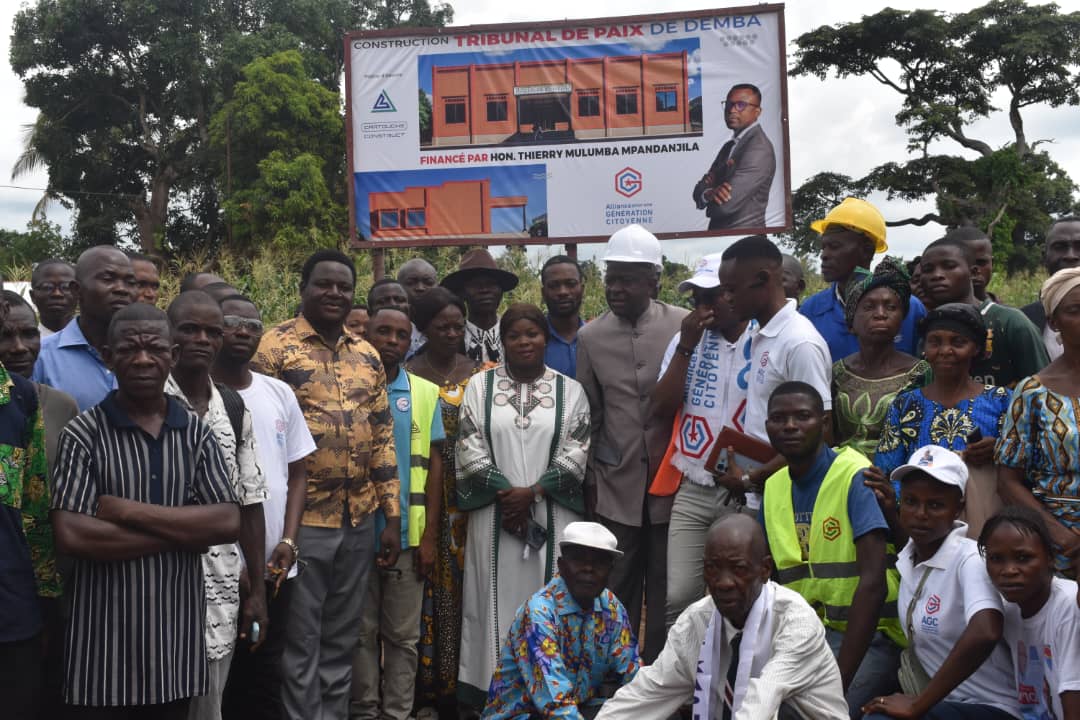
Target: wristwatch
(292, 544)
(538, 495)
(745, 480)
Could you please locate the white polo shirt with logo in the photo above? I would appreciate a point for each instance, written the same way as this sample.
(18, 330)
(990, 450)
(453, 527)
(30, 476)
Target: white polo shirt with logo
(787, 348)
(956, 588)
(1045, 651)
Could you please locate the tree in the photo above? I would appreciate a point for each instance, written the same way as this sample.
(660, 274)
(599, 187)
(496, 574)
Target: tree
(283, 133)
(125, 93)
(41, 240)
(948, 69)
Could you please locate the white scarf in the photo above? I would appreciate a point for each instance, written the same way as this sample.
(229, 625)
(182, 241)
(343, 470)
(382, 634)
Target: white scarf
(754, 650)
(709, 405)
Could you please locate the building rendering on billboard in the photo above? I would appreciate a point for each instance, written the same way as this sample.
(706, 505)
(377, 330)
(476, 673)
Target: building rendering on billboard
(560, 100)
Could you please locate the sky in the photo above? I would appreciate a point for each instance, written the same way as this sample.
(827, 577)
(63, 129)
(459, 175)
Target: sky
(839, 125)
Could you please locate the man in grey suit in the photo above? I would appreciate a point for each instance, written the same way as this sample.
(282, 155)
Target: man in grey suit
(735, 191)
(618, 362)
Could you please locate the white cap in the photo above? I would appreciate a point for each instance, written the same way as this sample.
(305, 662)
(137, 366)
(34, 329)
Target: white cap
(592, 535)
(706, 274)
(634, 244)
(940, 463)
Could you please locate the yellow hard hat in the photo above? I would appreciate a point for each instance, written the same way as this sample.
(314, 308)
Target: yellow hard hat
(859, 216)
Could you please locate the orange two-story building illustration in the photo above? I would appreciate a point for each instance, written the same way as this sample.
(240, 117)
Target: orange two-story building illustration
(453, 208)
(561, 100)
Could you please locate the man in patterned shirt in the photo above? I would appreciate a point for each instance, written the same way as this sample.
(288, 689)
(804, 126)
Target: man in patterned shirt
(340, 384)
(559, 657)
(198, 329)
(22, 488)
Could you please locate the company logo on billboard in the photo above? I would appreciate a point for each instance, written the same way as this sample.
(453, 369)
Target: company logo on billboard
(628, 182)
(383, 130)
(383, 104)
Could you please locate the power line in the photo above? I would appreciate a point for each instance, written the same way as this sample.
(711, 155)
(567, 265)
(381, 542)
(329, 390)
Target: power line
(71, 192)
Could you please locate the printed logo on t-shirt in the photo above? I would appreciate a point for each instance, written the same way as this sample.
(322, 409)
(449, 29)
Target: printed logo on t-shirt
(1033, 688)
(830, 528)
(764, 362)
(933, 604)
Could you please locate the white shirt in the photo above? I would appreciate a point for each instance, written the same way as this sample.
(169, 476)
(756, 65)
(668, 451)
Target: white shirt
(222, 563)
(787, 348)
(714, 397)
(1051, 340)
(483, 345)
(1046, 655)
(800, 669)
(956, 588)
(281, 437)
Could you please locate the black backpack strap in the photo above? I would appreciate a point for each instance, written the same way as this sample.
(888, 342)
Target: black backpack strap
(234, 408)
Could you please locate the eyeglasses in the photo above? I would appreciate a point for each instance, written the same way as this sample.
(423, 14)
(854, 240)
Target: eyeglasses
(235, 322)
(49, 287)
(739, 105)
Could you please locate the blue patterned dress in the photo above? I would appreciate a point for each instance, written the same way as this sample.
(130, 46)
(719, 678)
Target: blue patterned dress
(914, 421)
(1040, 438)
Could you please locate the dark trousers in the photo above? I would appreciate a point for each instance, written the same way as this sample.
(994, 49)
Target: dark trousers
(176, 710)
(52, 648)
(253, 690)
(20, 678)
(641, 573)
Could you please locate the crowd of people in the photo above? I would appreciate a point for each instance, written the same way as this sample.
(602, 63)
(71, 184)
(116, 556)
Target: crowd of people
(408, 504)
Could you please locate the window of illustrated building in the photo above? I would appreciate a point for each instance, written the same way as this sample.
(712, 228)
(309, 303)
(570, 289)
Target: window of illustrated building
(666, 98)
(454, 111)
(389, 219)
(496, 108)
(626, 101)
(588, 103)
(373, 218)
(415, 218)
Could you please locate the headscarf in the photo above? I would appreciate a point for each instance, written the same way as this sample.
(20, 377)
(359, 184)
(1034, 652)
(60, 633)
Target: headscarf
(1057, 286)
(959, 318)
(890, 273)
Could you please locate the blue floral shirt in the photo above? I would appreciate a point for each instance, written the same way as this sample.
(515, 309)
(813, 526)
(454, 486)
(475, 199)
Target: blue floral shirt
(556, 655)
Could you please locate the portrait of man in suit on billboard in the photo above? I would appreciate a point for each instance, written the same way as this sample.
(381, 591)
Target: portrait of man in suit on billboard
(735, 191)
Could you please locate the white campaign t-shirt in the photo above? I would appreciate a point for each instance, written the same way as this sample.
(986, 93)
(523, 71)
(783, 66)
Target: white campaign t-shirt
(1046, 652)
(282, 437)
(956, 589)
(787, 348)
(714, 397)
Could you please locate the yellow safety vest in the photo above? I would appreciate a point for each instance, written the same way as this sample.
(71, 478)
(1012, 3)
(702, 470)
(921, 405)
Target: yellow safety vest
(424, 398)
(829, 579)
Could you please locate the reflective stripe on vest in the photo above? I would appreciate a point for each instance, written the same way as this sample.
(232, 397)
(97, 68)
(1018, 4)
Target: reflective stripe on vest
(425, 403)
(829, 579)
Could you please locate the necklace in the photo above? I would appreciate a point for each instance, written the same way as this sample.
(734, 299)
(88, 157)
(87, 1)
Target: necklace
(445, 375)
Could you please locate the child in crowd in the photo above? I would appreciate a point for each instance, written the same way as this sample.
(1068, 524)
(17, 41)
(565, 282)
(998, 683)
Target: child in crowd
(1041, 616)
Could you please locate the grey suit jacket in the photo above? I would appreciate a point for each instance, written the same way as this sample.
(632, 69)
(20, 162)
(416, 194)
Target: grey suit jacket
(618, 364)
(749, 170)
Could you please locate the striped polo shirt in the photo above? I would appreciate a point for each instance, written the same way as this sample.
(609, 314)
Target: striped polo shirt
(135, 635)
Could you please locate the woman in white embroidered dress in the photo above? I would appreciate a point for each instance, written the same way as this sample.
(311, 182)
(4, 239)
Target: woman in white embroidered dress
(522, 446)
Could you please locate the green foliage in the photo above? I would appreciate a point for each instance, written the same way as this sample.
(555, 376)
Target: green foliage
(949, 69)
(41, 240)
(125, 93)
(276, 141)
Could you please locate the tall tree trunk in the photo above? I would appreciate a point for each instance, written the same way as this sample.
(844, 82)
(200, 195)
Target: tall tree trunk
(150, 218)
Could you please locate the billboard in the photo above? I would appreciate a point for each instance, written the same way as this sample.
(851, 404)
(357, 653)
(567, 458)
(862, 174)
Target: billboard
(563, 132)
